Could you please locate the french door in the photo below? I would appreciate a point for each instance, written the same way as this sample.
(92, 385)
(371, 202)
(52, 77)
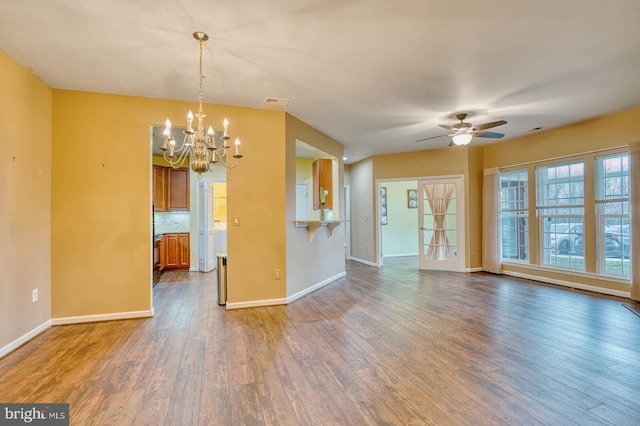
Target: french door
(441, 221)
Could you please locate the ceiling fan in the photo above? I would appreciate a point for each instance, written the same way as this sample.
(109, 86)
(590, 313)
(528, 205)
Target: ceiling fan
(462, 133)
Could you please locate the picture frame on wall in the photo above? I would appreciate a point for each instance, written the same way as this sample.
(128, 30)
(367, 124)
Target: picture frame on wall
(383, 205)
(412, 198)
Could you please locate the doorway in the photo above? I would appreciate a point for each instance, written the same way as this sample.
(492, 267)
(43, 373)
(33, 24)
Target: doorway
(407, 221)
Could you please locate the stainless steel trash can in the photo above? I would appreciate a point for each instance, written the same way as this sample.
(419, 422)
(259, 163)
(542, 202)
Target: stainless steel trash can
(222, 278)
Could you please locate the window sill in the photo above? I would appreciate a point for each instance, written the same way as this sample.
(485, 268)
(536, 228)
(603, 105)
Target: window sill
(571, 272)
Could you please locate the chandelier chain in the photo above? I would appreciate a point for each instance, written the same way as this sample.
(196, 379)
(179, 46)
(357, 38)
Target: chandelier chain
(200, 42)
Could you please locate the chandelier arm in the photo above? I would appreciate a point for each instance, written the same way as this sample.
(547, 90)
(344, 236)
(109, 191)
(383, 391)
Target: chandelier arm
(226, 165)
(177, 162)
(182, 145)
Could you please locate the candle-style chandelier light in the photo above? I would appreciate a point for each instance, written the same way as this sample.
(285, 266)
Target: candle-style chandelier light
(198, 146)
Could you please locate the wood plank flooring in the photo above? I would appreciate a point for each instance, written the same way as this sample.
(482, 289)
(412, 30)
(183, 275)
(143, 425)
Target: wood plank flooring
(389, 346)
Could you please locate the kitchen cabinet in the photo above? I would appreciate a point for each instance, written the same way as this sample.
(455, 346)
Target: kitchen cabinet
(322, 178)
(170, 189)
(160, 188)
(176, 251)
(178, 189)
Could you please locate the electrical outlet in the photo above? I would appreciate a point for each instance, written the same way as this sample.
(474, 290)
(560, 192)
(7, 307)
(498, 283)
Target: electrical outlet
(473, 252)
(276, 274)
(34, 295)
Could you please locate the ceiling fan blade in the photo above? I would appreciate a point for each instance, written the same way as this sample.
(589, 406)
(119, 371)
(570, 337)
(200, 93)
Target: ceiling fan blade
(432, 137)
(490, 125)
(444, 126)
(492, 135)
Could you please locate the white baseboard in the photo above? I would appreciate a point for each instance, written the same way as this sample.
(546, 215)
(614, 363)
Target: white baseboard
(474, 269)
(102, 317)
(570, 284)
(24, 338)
(284, 301)
(364, 262)
(256, 303)
(315, 287)
(401, 255)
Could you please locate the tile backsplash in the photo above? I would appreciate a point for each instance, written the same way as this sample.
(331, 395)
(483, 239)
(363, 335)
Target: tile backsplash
(172, 222)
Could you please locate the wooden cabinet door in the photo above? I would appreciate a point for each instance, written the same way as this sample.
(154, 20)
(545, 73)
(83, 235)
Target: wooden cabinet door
(184, 254)
(178, 192)
(322, 178)
(162, 248)
(175, 252)
(171, 248)
(160, 188)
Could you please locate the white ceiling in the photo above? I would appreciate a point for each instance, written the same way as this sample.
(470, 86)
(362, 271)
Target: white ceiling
(374, 74)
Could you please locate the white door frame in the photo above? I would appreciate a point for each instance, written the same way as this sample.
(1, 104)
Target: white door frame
(199, 219)
(347, 222)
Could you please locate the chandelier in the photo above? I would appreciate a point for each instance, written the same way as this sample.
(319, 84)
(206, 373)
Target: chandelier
(198, 146)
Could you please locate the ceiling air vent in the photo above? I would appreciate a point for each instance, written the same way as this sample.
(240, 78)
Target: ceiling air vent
(276, 102)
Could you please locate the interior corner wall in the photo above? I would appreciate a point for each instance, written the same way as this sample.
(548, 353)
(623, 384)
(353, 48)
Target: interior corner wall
(256, 195)
(25, 206)
(362, 189)
(473, 212)
(315, 262)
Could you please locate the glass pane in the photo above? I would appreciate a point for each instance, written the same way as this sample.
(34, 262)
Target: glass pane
(451, 236)
(514, 201)
(429, 222)
(613, 238)
(450, 222)
(451, 209)
(428, 235)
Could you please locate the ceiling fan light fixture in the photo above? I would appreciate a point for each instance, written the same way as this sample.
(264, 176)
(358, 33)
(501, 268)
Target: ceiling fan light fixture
(462, 138)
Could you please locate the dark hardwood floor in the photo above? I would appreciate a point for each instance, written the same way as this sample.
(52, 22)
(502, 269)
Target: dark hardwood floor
(392, 346)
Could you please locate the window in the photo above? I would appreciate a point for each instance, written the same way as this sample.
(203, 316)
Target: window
(560, 211)
(612, 214)
(514, 215)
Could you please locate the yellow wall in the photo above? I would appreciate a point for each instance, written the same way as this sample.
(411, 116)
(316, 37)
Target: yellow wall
(101, 233)
(304, 169)
(220, 202)
(256, 195)
(25, 200)
(607, 131)
(473, 201)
